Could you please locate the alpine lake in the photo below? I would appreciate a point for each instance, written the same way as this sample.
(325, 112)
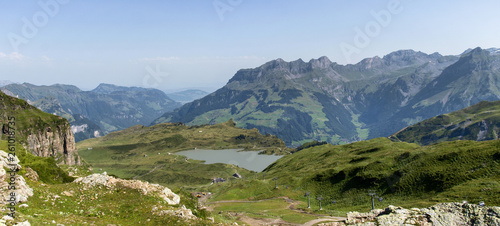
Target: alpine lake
(250, 160)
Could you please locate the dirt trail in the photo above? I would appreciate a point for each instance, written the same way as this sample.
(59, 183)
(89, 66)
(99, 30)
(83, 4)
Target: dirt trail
(266, 221)
(261, 221)
(313, 222)
(156, 167)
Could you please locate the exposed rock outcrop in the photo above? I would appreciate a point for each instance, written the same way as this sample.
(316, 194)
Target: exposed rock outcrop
(145, 187)
(31, 174)
(56, 142)
(183, 212)
(442, 214)
(22, 191)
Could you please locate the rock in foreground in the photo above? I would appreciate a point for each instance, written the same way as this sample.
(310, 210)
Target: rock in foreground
(145, 187)
(441, 214)
(23, 191)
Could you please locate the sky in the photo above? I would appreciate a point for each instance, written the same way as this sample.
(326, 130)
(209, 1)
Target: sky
(174, 45)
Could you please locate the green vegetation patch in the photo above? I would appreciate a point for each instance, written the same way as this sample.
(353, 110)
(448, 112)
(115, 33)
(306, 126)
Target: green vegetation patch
(74, 204)
(403, 174)
(46, 167)
(478, 122)
(274, 209)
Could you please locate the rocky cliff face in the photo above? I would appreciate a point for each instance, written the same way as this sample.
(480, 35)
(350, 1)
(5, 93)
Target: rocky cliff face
(58, 143)
(41, 133)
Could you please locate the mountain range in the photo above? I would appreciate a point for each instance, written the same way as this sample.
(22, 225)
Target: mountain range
(321, 100)
(97, 112)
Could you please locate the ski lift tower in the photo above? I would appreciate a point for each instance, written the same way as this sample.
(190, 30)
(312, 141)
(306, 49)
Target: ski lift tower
(308, 202)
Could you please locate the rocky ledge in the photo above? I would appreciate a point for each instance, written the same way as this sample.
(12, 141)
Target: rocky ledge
(441, 214)
(145, 187)
(56, 142)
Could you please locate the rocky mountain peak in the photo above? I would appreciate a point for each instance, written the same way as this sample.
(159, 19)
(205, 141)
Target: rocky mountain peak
(322, 62)
(369, 63)
(298, 66)
(406, 57)
(476, 52)
(494, 50)
(267, 71)
(105, 88)
(475, 59)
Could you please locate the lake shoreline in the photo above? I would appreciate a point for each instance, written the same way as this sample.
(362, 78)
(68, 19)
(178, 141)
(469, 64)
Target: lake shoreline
(247, 159)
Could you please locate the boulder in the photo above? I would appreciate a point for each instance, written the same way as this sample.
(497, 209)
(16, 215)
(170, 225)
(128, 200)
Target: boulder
(145, 187)
(23, 191)
(443, 214)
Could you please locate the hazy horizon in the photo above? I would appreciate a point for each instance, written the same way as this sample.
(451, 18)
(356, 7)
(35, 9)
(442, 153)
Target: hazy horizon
(172, 45)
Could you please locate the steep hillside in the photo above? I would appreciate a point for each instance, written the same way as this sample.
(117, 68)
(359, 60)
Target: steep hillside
(478, 122)
(41, 133)
(403, 174)
(148, 153)
(320, 100)
(395, 167)
(94, 113)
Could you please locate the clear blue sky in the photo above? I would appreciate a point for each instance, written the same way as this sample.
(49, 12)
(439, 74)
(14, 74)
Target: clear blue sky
(171, 44)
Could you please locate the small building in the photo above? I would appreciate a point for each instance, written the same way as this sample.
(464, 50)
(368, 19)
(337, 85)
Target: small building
(237, 175)
(218, 180)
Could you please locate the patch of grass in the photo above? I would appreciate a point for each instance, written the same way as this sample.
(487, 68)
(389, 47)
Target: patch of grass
(276, 208)
(96, 205)
(58, 200)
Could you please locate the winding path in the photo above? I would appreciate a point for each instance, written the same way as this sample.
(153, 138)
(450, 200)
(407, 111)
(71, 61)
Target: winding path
(293, 203)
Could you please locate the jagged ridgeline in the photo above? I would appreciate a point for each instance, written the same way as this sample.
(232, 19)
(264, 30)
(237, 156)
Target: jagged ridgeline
(40, 133)
(478, 122)
(321, 100)
(148, 153)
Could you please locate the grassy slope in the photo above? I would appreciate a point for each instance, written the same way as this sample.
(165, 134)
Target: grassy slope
(464, 124)
(98, 205)
(403, 174)
(123, 153)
